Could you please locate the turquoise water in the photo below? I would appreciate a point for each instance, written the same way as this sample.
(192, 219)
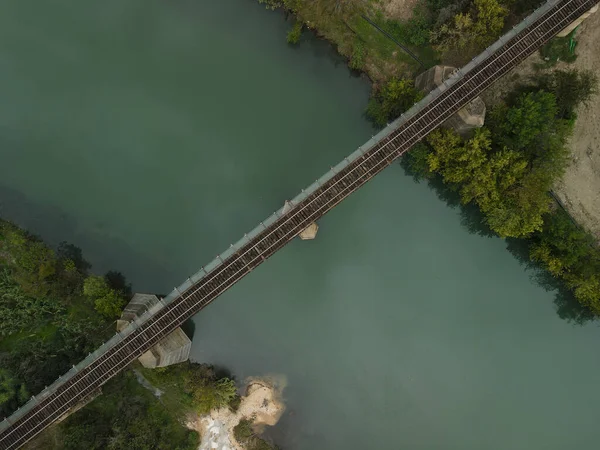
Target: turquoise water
(153, 134)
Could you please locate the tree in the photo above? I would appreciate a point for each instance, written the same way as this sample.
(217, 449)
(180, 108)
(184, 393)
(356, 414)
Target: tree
(561, 245)
(107, 301)
(12, 393)
(525, 123)
(453, 36)
(489, 21)
(212, 394)
(571, 89)
(33, 263)
(294, 34)
(456, 160)
(586, 290)
(111, 305)
(473, 30)
(392, 99)
(416, 161)
(70, 252)
(499, 182)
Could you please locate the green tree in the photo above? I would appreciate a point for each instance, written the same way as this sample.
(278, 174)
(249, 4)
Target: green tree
(12, 393)
(571, 89)
(107, 301)
(498, 182)
(32, 262)
(294, 34)
(210, 394)
(586, 290)
(391, 100)
(561, 245)
(473, 30)
(523, 125)
(416, 161)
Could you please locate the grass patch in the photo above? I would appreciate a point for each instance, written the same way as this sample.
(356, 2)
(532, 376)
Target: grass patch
(380, 46)
(560, 49)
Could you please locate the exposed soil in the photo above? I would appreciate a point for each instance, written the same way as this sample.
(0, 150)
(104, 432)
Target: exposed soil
(580, 189)
(261, 402)
(398, 9)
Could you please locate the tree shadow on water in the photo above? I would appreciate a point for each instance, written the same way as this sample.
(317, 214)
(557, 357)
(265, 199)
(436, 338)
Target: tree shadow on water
(470, 215)
(105, 252)
(567, 307)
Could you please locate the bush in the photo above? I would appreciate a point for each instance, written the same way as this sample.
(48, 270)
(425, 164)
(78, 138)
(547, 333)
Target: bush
(125, 417)
(294, 34)
(107, 301)
(417, 30)
(471, 31)
(559, 49)
(391, 100)
(571, 88)
(416, 161)
(196, 386)
(271, 4)
(245, 435)
(359, 52)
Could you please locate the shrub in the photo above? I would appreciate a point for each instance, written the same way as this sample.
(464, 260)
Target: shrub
(245, 435)
(294, 34)
(271, 4)
(559, 49)
(571, 88)
(391, 100)
(359, 52)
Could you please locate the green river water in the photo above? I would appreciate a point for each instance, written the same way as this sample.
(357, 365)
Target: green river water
(153, 134)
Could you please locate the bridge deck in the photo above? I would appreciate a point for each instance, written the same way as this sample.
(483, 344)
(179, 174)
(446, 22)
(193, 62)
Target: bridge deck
(228, 268)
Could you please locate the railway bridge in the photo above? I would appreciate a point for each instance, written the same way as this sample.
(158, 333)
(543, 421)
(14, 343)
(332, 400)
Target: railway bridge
(83, 380)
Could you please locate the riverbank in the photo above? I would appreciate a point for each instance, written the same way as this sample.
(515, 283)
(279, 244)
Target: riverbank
(520, 157)
(260, 406)
(53, 313)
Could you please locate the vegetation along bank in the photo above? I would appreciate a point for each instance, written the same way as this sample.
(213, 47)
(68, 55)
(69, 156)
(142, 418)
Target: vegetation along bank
(53, 314)
(505, 170)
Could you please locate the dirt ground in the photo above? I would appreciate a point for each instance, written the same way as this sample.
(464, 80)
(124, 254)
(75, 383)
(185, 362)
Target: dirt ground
(580, 189)
(261, 402)
(398, 9)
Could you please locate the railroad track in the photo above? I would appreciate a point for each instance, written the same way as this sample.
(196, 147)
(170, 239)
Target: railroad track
(279, 229)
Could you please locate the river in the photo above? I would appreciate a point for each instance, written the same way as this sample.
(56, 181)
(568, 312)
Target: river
(153, 134)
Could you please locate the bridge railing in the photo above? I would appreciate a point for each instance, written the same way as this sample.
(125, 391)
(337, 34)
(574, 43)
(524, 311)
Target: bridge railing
(215, 263)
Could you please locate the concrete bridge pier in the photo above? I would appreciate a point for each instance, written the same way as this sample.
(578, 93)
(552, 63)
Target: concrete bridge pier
(310, 232)
(172, 349)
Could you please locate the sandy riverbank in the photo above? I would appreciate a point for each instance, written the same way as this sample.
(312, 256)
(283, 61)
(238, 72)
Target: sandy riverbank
(261, 401)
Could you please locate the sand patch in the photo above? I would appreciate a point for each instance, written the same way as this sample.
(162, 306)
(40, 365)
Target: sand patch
(398, 9)
(262, 401)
